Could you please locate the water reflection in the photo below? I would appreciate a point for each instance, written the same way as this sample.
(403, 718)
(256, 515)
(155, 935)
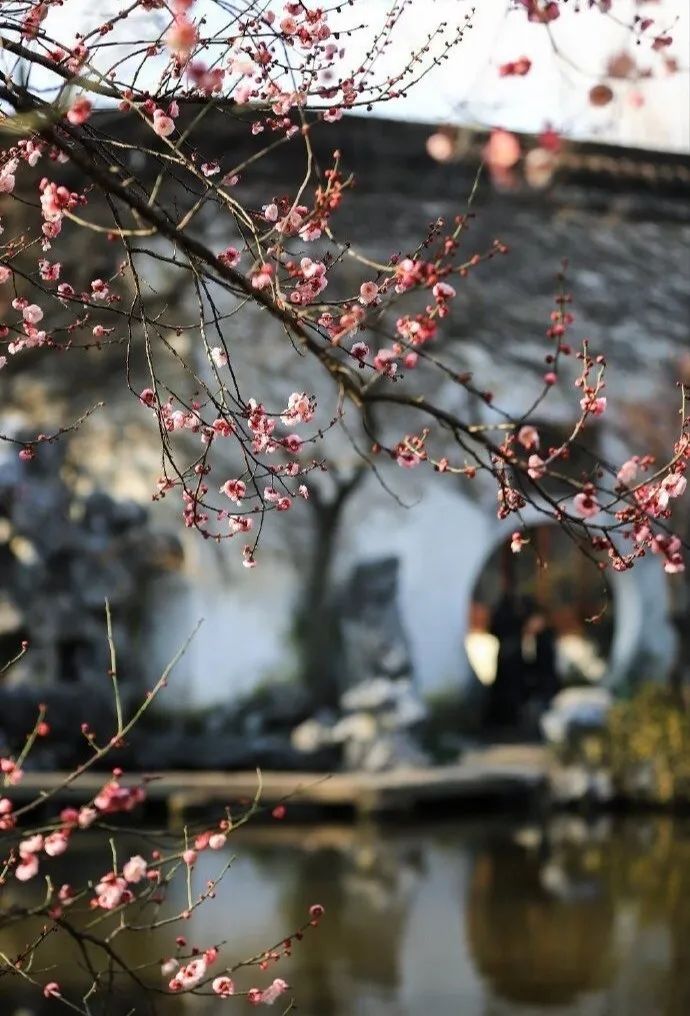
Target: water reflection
(541, 921)
(480, 918)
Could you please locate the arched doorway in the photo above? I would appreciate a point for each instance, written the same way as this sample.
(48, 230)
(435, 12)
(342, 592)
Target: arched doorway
(530, 631)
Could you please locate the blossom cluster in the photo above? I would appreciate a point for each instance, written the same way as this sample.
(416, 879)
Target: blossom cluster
(376, 327)
(137, 880)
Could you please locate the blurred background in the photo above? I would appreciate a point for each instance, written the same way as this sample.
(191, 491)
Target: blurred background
(388, 623)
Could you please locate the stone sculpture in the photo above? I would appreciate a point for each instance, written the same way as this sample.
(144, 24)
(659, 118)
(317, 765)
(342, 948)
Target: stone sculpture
(378, 705)
(373, 639)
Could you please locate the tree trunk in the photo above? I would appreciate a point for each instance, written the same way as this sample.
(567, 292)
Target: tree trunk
(316, 625)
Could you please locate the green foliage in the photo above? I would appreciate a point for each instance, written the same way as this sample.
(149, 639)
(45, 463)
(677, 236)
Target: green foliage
(649, 747)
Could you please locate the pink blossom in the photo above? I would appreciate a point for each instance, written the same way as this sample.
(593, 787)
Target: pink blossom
(114, 798)
(528, 437)
(181, 37)
(201, 841)
(536, 467)
(223, 986)
(270, 212)
(674, 484)
(32, 314)
(440, 146)
(309, 232)
(33, 152)
(31, 845)
(674, 566)
(240, 524)
(628, 472)
(595, 406)
(360, 350)
(163, 125)
(79, 112)
(189, 976)
(243, 93)
(586, 505)
(11, 770)
(135, 869)
(66, 893)
(406, 274)
(219, 356)
(384, 361)
(217, 841)
(223, 428)
(230, 257)
(27, 868)
(55, 844)
(518, 67)
(189, 857)
(517, 542)
(406, 457)
(541, 11)
(7, 177)
(262, 277)
(234, 489)
(5, 273)
(443, 291)
(87, 816)
(51, 990)
(502, 150)
(293, 443)
(111, 891)
(147, 397)
(288, 26)
(312, 269)
(300, 409)
(274, 991)
(671, 548)
(55, 201)
(169, 967)
(99, 289)
(368, 292)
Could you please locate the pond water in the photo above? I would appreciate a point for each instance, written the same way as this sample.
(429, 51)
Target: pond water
(480, 917)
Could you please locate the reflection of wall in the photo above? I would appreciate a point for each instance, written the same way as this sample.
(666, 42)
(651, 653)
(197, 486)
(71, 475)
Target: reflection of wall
(366, 884)
(443, 919)
(532, 946)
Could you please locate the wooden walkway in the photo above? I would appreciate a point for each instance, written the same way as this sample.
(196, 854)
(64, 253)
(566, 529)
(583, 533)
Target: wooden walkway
(493, 771)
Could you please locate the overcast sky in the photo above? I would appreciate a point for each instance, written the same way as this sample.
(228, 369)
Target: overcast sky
(467, 87)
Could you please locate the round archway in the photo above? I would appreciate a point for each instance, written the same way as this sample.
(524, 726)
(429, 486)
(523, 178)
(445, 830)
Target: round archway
(530, 629)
